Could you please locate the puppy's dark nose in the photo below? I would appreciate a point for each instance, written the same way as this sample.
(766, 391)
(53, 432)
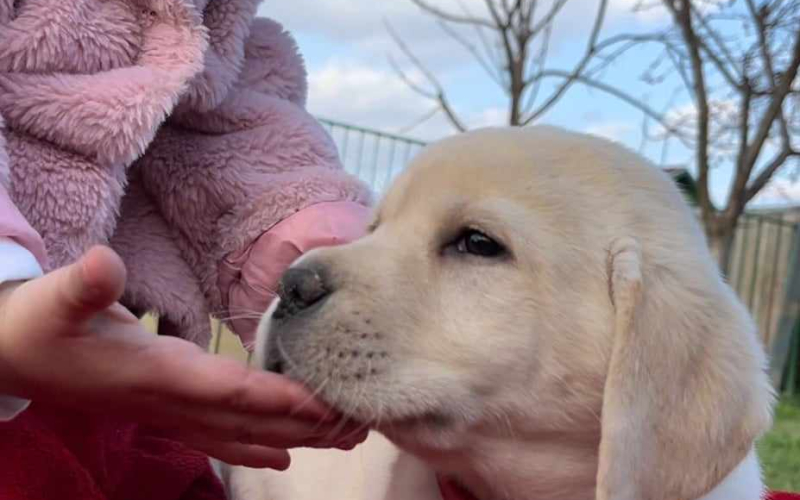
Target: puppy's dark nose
(299, 289)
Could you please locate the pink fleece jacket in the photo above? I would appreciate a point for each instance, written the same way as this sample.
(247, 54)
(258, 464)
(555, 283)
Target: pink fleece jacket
(176, 131)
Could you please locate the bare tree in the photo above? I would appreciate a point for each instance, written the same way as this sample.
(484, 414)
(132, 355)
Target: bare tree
(736, 61)
(510, 39)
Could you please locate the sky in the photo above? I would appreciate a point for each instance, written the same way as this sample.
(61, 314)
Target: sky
(347, 50)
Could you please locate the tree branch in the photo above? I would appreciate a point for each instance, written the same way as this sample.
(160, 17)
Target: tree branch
(761, 31)
(419, 121)
(491, 52)
(548, 18)
(539, 62)
(515, 66)
(410, 83)
(608, 89)
(473, 50)
(683, 18)
(766, 174)
(576, 72)
(734, 80)
(453, 18)
(439, 95)
(776, 104)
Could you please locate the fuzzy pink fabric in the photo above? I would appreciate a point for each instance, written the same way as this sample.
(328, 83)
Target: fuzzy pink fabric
(176, 131)
(84, 87)
(244, 277)
(223, 178)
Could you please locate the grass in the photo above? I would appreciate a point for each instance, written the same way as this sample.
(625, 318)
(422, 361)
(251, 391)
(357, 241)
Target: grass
(779, 450)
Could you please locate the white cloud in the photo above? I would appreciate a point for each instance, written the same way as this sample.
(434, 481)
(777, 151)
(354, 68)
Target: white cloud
(613, 130)
(642, 11)
(780, 191)
(360, 24)
(374, 97)
(489, 117)
(352, 92)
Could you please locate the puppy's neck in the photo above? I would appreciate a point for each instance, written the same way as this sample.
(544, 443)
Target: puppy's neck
(551, 467)
(556, 469)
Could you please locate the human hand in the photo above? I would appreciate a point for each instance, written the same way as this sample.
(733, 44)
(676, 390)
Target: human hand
(64, 339)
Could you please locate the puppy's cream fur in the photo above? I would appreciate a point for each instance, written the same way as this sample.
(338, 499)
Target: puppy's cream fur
(601, 357)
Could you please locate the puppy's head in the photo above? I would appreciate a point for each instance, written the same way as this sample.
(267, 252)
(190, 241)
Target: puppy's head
(517, 282)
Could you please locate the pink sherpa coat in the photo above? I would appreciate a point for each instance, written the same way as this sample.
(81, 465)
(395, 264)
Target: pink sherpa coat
(176, 131)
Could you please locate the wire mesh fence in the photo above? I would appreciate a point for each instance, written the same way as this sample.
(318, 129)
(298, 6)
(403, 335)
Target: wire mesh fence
(373, 156)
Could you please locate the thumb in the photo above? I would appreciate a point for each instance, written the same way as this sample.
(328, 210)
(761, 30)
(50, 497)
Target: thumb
(79, 291)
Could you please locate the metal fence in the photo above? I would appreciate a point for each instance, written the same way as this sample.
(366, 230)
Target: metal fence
(373, 156)
(764, 248)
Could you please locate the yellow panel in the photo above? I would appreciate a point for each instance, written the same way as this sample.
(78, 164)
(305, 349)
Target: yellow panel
(225, 343)
(150, 322)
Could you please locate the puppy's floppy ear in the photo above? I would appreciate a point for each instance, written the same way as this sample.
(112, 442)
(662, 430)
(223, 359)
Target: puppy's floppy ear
(686, 393)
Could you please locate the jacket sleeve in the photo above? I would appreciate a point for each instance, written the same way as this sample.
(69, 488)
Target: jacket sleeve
(255, 182)
(248, 278)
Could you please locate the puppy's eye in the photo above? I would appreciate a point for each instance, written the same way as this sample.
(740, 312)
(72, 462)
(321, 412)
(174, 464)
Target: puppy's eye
(476, 243)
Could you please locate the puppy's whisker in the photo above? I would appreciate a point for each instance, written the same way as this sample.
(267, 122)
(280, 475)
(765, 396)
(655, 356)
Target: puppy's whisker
(263, 289)
(311, 398)
(236, 310)
(367, 380)
(379, 416)
(293, 367)
(342, 421)
(238, 316)
(285, 355)
(510, 427)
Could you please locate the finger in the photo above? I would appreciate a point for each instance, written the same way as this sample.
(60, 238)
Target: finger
(77, 292)
(275, 433)
(257, 457)
(179, 372)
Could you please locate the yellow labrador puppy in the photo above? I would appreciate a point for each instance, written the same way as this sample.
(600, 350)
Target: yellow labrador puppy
(534, 314)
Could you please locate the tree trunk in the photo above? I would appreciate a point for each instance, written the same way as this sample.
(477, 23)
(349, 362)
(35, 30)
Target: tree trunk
(720, 239)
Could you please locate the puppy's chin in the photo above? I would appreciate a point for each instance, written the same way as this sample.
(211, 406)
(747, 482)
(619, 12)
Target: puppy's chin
(429, 435)
(427, 420)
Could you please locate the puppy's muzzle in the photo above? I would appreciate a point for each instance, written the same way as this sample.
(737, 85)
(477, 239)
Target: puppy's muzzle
(299, 290)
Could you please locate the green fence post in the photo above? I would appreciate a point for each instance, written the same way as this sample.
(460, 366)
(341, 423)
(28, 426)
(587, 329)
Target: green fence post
(790, 388)
(790, 316)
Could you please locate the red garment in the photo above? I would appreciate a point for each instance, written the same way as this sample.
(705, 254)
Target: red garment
(451, 491)
(48, 454)
(781, 495)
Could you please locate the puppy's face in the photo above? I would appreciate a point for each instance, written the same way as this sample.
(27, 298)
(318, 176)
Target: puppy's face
(532, 290)
(467, 309)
